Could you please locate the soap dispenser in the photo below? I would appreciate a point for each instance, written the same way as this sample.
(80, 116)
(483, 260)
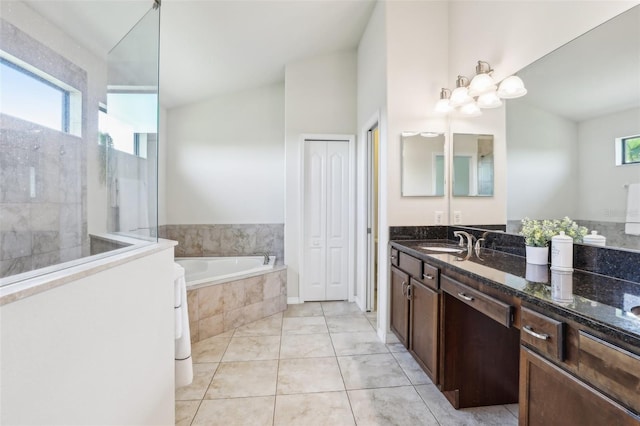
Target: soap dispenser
(562, 253)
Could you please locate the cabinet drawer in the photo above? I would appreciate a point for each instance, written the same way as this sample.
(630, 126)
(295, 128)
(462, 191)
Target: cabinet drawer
(610, 368)
(487, 305)
(542, 333)
(430, 276)
(394, 257)
(411, 265)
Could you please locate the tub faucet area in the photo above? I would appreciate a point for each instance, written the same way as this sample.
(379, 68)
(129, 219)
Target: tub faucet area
(266, 257)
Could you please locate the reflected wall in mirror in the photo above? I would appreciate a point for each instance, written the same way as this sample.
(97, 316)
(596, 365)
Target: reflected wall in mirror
(472, 165)
(561, 153)
(422, 164)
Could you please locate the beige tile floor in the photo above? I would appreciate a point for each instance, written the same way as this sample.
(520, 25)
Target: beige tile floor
(316, 364)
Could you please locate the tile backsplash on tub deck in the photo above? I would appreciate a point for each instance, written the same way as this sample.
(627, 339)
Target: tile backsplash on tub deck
(226, 240)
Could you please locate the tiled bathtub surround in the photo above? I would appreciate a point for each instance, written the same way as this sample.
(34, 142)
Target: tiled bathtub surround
(226, 240)
(223, 307)
(622, 264)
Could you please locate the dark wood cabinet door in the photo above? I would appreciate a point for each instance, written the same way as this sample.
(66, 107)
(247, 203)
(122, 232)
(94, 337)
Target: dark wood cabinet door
(550, 396)
(423, 328)
(400, 305)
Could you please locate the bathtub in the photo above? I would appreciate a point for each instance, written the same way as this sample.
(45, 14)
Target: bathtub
(200, 271)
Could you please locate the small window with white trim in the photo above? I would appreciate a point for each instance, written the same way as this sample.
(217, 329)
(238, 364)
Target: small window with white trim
(32, 95)
(628, 150)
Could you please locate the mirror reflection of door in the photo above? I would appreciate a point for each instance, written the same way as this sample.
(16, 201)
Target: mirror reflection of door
(439, 175)
(461, 175)
(473, 168)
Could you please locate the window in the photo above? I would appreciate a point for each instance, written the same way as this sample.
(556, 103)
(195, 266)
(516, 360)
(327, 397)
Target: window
(129, 121)
(631, 150)
(628, 150)
(32, 95)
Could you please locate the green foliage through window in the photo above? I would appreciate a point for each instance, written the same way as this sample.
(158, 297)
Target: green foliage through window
(631, 150)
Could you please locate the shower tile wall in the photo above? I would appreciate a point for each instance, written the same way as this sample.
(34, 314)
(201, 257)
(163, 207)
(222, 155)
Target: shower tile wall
(43, 187)
(226, 240)
(46, 226)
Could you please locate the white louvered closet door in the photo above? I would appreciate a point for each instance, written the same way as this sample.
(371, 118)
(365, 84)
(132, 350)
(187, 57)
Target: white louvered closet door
(326, 220)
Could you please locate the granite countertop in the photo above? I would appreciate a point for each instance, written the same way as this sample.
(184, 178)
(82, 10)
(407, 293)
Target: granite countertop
(599, 302)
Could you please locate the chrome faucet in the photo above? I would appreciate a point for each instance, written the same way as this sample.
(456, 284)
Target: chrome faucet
(470, 238)
(266, 258)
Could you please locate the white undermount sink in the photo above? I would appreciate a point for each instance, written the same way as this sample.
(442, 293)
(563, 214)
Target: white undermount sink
(442, 249)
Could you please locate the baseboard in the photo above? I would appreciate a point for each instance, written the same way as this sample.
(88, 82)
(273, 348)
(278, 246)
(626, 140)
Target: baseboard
(293, 300)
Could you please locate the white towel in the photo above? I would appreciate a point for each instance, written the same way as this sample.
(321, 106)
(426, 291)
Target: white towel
(183, 362)
(132, 200)
(632, 227)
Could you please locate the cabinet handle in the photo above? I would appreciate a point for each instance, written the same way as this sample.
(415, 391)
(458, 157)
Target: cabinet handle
(427, 276)
(393, 258)
(404, 290)
(530, 331)
(409, 292)
(465, 297)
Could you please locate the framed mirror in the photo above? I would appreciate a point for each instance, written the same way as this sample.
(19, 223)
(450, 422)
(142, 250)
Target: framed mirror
(473, 162)
(422, 164)
(583, 99)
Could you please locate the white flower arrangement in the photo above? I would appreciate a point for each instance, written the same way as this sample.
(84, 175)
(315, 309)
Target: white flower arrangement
(571, 229)
(538, 233)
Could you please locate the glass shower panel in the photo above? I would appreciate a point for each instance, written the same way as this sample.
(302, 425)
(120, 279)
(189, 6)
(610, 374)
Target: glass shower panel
(70, 185)
(129, 126)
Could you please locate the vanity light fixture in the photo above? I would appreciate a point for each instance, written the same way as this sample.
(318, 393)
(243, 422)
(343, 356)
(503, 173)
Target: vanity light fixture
(483, 82)
(442, 106)
(481, 92)
(489, 100)
(512, 87)
(460, 94)
(470, 110)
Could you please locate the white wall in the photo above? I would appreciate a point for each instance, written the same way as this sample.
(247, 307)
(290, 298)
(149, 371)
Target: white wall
(601, 194)
(543, 158)
(372, 111)
(320, 98)
(98, 350)
(416, 70)
(225, 159)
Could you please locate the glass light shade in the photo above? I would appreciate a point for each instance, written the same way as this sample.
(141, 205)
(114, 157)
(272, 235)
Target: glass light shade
(470, 110)
(489, 100)
(460, 96)
(443, 107)
(481, 83)
(511, 88)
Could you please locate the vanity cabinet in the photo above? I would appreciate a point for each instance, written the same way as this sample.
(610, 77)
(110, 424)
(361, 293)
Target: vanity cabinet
(569, 376)
(399, 305)
(479, 347)
(423, 327)
(415, 309)
(551, 396)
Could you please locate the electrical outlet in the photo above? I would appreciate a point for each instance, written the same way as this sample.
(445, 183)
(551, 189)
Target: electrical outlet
(457, 217)
(438, 217)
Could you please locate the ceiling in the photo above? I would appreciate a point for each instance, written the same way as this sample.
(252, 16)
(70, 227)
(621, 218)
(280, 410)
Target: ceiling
(209, 47)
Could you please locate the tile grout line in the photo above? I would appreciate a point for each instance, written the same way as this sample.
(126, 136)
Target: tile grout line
(205, 393)
(346, 392)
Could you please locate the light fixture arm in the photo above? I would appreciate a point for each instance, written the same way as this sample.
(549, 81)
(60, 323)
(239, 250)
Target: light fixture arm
(462, 81)
(483, 68)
